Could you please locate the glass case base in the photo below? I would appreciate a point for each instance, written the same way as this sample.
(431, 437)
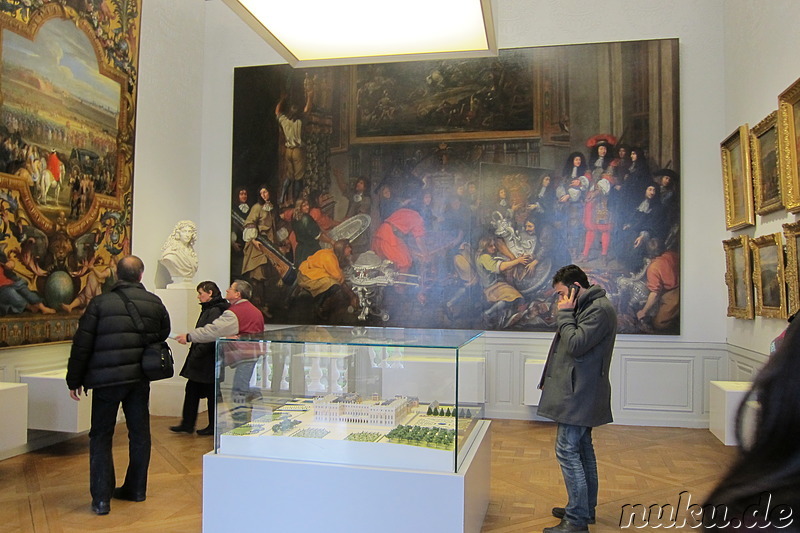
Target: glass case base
(280, 495)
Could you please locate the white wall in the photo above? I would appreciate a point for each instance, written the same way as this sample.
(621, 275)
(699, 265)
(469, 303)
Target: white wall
(168, 151)
(761, 60)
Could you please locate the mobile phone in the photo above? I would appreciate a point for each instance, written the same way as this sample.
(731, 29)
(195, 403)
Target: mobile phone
(574, 290)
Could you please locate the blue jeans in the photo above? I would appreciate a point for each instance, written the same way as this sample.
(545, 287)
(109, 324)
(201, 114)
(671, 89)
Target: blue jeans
(135, 400)
(241, 377)
(575, 454)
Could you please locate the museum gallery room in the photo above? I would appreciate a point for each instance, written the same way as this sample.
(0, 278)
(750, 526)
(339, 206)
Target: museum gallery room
(397, 213)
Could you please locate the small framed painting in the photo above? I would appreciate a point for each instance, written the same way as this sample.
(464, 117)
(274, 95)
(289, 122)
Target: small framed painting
(768, 277)
(737, 179)
(739, 277)
(764, 158)
(788, 139)
(791, 232)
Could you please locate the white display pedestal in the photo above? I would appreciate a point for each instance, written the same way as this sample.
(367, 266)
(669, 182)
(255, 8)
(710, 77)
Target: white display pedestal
(166, 395)
(13, 415)
(724, 400)
(275, 495)
(533, 375)
(50, 406)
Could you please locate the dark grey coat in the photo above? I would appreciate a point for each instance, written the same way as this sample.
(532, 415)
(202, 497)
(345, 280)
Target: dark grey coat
(575, 385)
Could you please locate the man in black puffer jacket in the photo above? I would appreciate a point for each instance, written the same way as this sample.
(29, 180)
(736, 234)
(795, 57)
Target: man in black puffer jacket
(106, 356)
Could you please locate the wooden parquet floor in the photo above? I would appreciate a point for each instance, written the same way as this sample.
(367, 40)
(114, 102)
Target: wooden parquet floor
(47, 491)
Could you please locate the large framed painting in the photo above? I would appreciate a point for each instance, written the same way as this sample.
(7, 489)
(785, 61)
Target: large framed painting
(67, 115)
(446, 100)
(788, 142)
(768, 277)
(461, 186)
(737, 179)
(739, 277)
(766, 177)
(791, 233)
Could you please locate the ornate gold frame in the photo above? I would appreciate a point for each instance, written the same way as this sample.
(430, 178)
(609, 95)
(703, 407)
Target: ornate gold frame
(740, 181)
(791, 232)
(757, 246)
(742, 242)
(761, 134)
(787, 146)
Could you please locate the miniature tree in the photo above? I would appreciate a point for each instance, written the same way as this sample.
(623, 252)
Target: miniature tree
(430, 411)
(447, 413)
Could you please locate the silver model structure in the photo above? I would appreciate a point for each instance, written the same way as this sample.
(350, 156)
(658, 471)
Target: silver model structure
(368, 275)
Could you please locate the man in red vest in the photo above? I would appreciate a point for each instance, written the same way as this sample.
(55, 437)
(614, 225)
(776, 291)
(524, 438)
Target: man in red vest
(241, 318)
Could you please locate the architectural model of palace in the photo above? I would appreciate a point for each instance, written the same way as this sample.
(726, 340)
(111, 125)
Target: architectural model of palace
(352, 408)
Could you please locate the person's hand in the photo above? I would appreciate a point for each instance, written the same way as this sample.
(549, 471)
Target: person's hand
(568, 302)
(181, 338)
(75, 394)
(638, 241)
(525, 259)
(640, 315)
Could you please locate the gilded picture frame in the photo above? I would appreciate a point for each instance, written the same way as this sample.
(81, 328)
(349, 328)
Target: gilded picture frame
(737, 179)
(739, 277)
(764, 159)
(788, 139)
(791, 232)
(768, 276)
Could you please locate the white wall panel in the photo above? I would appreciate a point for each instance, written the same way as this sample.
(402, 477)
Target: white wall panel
(673, 375)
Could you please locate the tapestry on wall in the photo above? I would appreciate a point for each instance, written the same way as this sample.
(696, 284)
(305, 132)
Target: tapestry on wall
(446, 194)
(68, 90)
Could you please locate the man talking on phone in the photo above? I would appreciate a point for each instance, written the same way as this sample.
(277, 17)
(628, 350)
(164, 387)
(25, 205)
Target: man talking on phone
(576, 392)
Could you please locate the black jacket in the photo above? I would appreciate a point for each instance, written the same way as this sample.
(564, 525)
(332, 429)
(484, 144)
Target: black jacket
(199, 365)
(107, 347)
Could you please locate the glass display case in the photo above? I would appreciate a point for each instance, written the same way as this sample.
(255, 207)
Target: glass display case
(372, 397)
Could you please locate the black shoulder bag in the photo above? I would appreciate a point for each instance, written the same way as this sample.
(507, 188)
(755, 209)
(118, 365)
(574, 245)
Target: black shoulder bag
(157, 362)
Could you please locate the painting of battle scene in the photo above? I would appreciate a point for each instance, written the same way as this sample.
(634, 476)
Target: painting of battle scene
(67, 109)
(446, 194)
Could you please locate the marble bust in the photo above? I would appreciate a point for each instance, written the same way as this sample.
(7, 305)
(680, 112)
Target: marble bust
(178, 255)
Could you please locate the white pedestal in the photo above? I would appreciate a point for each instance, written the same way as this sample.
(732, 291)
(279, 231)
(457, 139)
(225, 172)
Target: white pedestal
(532, 376)
(50, 407)
(724, 400)
(278, 495)
(166, 396)
(13, 415)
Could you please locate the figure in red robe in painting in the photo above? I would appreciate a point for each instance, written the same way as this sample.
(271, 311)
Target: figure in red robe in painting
(389, 242)
(54, 165)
